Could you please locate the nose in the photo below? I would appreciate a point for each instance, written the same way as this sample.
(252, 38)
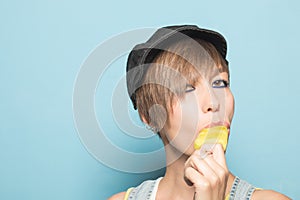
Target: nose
(210, 102)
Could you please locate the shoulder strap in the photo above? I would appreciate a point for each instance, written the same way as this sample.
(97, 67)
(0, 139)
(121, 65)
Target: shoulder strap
(241, 190)
(127, 193)
(142, 191)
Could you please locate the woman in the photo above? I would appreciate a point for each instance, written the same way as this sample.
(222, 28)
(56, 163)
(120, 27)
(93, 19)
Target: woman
(179, 83)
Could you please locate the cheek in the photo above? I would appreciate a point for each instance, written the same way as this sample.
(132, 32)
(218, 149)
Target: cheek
(230, 105)
(183, 124)
(190, 117)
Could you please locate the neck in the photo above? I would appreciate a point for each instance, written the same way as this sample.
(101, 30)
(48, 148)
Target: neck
(173, 186)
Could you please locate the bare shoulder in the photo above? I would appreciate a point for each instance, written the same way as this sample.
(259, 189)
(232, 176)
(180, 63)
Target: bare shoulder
(118, 196)
(268, 195)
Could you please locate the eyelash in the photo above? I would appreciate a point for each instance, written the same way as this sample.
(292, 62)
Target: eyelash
(191, 88)
(224, 82)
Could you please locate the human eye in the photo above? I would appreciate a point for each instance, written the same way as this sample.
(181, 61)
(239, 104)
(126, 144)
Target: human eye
(189, 88)
(221, 83)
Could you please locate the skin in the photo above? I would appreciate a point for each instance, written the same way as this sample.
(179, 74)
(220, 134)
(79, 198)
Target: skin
(210, 104)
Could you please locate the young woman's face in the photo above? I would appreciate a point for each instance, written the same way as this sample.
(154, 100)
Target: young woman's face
(207, 104)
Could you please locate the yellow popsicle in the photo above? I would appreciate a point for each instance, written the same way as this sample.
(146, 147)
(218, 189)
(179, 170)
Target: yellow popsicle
(213, 135)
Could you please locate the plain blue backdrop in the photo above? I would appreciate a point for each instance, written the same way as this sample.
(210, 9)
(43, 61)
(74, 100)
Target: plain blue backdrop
(44, 43)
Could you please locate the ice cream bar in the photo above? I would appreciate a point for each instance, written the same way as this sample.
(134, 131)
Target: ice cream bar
(213, 135)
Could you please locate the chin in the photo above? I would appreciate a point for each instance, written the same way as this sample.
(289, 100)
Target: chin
(189, 151)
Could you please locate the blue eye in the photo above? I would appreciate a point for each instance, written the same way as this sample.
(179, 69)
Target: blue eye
(189, 88)
(220, 84)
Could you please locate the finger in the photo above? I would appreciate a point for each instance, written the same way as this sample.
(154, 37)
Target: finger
(219, 155)
(214, 151)
(205, 169)
(195, 157)
(218, 180)
(220, 171)
(201, 184)
(207, 175)
(205, 150)
(187, 181)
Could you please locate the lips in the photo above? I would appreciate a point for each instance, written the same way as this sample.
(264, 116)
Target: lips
(226, 124)
(220, 123)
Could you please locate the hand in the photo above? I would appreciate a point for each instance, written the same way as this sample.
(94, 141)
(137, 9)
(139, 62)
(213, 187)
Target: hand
(208, 174)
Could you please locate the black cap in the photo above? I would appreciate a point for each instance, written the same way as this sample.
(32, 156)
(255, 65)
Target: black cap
(145, 53)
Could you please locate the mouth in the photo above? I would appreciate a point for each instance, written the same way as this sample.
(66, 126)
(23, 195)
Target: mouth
(226, 124)
(213, 133)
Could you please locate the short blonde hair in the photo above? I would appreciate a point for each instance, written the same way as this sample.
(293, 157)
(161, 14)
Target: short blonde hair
(168, 75)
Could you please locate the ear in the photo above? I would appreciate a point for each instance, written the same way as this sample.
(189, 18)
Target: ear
(144, 120)
(174, 105)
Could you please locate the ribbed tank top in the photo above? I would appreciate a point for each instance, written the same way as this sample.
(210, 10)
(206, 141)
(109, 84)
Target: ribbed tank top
(240, 190)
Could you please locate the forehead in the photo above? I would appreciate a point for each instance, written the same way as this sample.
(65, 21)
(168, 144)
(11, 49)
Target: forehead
(194, 56)
(212, 71)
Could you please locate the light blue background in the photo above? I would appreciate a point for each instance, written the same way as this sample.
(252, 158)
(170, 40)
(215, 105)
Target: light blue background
(44, 43)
